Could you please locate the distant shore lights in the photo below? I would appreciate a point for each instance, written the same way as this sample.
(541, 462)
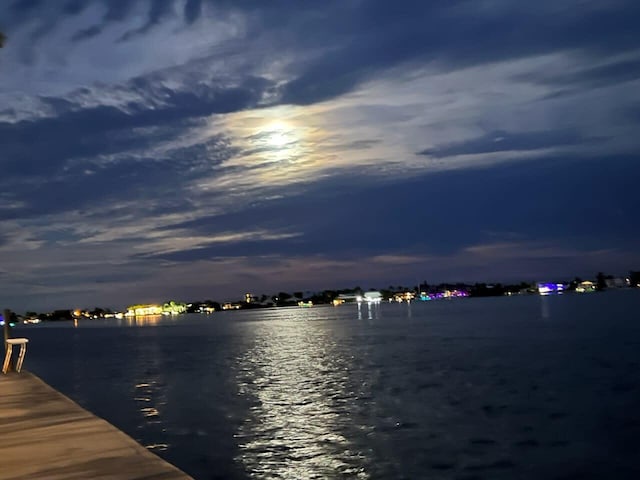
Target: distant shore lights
(143, 310)
(168, 308)
(550, 288)
(425, 297)
(370, 297)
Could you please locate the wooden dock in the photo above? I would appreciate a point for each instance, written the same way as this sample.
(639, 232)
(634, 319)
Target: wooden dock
(45, 435)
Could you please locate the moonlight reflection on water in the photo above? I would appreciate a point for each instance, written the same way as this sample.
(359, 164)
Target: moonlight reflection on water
(299, 425)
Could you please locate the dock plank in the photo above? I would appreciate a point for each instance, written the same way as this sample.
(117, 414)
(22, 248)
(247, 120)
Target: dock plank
(46, 435)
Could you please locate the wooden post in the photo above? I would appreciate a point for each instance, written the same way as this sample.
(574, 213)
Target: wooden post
(7, 328)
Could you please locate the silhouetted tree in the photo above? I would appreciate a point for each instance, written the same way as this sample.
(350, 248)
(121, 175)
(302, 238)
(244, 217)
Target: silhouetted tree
(601, 281)
(193, 307)
(215, 305)
(484, 290)
(328, 295)
(99, 312)
(3, 38)
(282, 299)
(60, 315)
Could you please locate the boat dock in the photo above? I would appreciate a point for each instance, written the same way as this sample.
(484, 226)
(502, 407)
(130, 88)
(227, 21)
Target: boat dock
(45, 435)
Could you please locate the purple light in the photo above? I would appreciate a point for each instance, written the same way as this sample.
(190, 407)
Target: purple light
(548, 288)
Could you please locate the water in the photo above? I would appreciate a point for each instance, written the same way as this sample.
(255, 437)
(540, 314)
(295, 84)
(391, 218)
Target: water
(501, 388)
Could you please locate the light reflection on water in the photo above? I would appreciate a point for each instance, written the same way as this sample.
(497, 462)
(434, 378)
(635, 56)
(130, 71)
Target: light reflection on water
(143, 321)
(372, 311)
(150, 392)
(298, 425)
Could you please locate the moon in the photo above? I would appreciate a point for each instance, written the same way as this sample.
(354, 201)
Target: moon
(278, 134)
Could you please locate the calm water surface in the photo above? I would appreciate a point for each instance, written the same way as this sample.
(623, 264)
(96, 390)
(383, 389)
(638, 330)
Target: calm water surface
(502, 388)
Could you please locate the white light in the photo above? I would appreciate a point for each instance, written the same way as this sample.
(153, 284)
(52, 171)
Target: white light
(278, 134)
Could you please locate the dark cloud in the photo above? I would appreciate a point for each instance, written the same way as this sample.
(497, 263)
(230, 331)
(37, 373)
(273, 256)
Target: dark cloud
(632, 113)
(500, 141)
(576, 199)
(53, 159)
(25, 6)
(158, 9)
(611, 73)
(117, 11)
(159, 185)
(353, 41)
(40, 147)
(58, 105)
(73, 7)
(455, 36)
(192, 10)
(87, 33)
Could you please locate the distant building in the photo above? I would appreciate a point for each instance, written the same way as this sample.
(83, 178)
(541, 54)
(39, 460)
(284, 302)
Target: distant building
(373, 297)
(231, 306)
(586, 287)
(142, 310)
(550, 288)
(424, 296)
(403, 296)
(169, 308)
(346, 298)
(204, 308)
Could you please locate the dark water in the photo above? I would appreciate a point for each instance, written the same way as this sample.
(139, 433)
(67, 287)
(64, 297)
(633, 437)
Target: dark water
(503, 388)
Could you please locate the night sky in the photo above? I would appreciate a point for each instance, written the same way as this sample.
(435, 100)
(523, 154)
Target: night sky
(203, 149)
